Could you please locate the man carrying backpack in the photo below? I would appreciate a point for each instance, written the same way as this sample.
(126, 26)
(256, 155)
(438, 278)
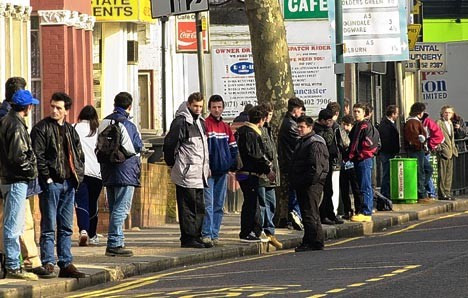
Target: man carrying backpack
(365, 142)
(119, 176)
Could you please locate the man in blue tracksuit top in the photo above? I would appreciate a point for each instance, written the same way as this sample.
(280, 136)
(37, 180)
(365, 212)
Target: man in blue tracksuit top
(222, 149)
(120, 179)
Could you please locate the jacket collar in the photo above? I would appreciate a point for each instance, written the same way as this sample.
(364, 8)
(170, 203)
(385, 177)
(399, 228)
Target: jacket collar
(216, 120)
(254, 127)
(121, 111)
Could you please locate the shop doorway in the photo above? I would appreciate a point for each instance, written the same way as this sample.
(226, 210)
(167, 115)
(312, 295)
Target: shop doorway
(146, 108)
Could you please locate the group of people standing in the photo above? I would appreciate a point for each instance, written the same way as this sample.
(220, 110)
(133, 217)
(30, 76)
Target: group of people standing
(322, 161)
(423, 138)
(57, 161)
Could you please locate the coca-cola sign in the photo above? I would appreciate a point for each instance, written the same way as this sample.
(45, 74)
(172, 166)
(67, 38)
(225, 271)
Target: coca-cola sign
(187, 36)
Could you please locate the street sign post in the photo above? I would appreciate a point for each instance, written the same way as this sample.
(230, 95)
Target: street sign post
(160, 8)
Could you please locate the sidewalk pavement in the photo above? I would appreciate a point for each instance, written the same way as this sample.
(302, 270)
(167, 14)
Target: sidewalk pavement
(159, 249)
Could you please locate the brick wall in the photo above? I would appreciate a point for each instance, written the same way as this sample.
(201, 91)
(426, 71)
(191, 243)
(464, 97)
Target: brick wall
(66, 66)
(153, 204)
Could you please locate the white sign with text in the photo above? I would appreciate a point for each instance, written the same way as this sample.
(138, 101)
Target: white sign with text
(311, 67)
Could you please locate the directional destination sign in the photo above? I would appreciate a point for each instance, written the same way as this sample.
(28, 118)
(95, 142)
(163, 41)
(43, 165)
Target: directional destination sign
(160, 8)
(373, 30)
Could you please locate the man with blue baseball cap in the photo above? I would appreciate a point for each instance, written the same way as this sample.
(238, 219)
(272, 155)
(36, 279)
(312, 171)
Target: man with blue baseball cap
(17, 167)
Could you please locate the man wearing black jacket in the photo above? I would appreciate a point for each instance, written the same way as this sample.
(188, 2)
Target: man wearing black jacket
(308, 171)
(287, 140)
(60, 164)
(390, 138)
(254, 164)
(18, 167)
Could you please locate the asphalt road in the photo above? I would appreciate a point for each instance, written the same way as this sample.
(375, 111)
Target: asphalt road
(425, 259)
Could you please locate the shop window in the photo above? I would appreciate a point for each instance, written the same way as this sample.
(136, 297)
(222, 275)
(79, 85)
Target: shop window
(36, 83)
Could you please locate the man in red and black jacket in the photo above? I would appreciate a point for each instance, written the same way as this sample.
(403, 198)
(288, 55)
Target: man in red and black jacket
(365, 143)
(222, 149)
(415, 138)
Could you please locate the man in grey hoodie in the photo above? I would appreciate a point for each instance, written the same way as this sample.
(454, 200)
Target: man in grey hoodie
(186, 152)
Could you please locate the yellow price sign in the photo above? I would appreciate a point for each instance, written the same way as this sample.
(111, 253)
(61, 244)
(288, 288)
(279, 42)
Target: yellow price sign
(413, 33)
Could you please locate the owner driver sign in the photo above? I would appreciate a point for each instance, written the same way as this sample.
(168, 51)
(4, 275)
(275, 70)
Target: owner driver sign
(311, 67)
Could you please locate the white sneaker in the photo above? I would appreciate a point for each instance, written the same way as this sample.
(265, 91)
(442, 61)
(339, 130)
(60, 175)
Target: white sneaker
(83, 238)
(94, 240)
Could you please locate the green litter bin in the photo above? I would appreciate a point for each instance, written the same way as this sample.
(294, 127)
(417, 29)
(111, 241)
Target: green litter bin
(404, 180)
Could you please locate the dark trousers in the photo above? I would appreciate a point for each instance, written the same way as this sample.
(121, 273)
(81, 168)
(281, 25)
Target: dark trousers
(309, 201)
(86, 204)
(250, 208)
(348, 179)
(421, 157)
(191, 210)
(326, 208)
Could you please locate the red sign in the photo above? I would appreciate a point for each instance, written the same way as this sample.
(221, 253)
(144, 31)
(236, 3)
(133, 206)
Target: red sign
(187, 36)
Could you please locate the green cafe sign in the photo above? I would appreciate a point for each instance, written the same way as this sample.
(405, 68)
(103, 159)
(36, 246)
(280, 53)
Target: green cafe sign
(305, 9)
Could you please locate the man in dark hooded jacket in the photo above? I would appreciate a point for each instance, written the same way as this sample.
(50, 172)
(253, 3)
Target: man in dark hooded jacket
(308, 171)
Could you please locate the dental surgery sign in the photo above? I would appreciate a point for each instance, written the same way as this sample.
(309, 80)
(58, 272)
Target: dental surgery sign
(122, 10)
(305, 9)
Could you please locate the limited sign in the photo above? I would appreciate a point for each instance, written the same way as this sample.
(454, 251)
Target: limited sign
(160, 8)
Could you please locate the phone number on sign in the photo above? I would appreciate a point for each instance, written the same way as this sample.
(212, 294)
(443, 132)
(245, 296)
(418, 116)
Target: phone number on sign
(318, 101)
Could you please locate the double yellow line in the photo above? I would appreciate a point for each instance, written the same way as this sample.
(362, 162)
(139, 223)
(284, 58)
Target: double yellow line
(141, 282)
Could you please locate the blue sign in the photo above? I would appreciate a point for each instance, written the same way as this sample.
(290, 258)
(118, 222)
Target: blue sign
(242, 68)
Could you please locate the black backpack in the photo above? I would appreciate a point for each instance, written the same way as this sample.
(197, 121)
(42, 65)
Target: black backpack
(382, 203)
(109, 142)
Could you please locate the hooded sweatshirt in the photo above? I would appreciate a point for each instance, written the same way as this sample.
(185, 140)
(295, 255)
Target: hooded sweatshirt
(186, 149)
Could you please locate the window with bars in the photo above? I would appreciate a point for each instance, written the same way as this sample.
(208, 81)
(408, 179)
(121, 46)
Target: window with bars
(36, 83)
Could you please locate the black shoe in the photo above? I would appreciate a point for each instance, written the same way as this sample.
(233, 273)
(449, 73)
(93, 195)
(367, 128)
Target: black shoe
(348, 215)
(250, 238)
(444, 198)
(306, 247)
(193, 244)
(42, 272)
(338, 220)
(327, 221)
(452, 198)
(118, 252)
(71, 271)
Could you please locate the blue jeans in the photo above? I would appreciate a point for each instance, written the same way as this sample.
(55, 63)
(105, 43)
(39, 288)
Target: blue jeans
(13, 221)
(214, 194)
(293, 204)
(364, 176)
(120, 202)
(385, 184)
(86, 204)
(56, 205)
(267, 203)
(428, 183)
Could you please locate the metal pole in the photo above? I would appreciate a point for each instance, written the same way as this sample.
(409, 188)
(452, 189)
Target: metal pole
(201, 72)
(339, 55)
(399, 72)
(163, 72)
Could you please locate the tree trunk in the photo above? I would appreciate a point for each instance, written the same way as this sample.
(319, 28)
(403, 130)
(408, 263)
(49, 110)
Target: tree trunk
(272, 71)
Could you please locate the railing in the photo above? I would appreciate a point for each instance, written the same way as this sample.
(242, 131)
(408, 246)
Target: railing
(460, 163)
